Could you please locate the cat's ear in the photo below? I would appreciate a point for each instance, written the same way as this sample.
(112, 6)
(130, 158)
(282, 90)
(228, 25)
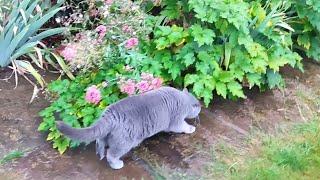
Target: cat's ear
(185, 90)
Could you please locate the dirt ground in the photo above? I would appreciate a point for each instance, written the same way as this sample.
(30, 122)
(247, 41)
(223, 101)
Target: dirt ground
(230, 121)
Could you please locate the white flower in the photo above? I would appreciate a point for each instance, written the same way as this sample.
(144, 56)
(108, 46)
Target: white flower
(58, 20)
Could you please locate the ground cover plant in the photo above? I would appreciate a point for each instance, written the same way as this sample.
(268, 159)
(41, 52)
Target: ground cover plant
(292, 153)
(120, 48)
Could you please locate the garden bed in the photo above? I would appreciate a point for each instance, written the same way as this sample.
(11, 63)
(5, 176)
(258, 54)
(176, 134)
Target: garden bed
(225, 52)
(176, 154)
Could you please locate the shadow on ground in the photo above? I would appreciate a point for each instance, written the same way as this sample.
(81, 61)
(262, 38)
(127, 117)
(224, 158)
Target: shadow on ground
(229, 121)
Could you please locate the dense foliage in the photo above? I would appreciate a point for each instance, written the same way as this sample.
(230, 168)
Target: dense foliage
(107, 65)
(221, 46)
(20, 33)
(211, 46)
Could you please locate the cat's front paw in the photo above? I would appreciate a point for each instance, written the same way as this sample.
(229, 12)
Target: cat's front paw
(118, 164)
(190, 129)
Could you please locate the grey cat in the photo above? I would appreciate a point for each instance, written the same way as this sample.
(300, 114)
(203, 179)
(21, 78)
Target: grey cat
(125, 124)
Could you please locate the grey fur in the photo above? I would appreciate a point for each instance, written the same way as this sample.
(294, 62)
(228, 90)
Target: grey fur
(125, 124)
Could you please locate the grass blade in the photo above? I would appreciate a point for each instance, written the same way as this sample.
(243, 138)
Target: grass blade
(46, 34)
(39, 23)
(27, 48)
(63, 65)
(26, 66)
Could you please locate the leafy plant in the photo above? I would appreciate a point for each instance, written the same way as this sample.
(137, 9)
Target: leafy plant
(19, 34)
(73, 107)
(220, 46)
(11, 156)
(307, 27)
(103, 60)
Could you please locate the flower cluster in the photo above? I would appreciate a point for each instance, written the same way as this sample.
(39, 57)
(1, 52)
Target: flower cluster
(148, 82)
(69, 52)
(131, 43)
(93, 95)
(83, 51)
(101, 30)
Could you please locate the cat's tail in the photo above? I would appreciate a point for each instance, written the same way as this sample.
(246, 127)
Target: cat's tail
(99, 129)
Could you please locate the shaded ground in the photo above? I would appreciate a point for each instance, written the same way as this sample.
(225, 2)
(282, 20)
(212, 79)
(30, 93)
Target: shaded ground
(162, 155)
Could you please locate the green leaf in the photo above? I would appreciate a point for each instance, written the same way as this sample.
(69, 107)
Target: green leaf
(189, 59)
(46, 34)
(259, 65)
(175, 70)
(43, 126)
(88, 120)
(274, 79)
(236, 89)
(202, 67)
(64, 66)
(162, 43)
(69, 119)
(27, 67)
(50, 136)
(254, 79)
(74, 144)
(202, 36)
(175, 37)
(225, 76)
(221, 89)
(207, 96)
(163, 31)
(62, 145)
(88, 111)
(190, 79)
(198, 87)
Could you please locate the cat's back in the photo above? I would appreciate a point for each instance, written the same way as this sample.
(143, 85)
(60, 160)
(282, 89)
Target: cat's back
(150, 99)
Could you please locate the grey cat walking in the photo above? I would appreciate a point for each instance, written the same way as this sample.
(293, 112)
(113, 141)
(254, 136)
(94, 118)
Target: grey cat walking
(125, 124)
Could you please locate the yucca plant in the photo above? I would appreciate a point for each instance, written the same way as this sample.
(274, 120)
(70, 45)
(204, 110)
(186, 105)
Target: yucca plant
(20, 34)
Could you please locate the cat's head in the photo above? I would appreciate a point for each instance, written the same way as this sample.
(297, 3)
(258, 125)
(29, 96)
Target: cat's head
(193, 103)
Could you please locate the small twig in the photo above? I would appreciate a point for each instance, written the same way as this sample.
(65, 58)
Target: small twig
(231, 168)
(300, 112)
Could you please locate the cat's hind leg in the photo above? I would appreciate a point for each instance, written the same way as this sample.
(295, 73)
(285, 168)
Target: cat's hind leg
(116, 150)
(182, 127)
(100, 147)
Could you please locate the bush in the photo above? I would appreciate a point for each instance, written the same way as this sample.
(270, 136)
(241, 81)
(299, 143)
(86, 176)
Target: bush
(108, 68)
(221, 46)
(211, 46)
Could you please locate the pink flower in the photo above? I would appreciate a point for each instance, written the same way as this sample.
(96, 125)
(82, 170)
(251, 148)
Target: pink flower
(128, 87)
(108, 2)
(69, 52)
(102, 30)
(156, 83)
(143, 86)
(93, 95)
(146, 76)
(126, 29)
(132, 42)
